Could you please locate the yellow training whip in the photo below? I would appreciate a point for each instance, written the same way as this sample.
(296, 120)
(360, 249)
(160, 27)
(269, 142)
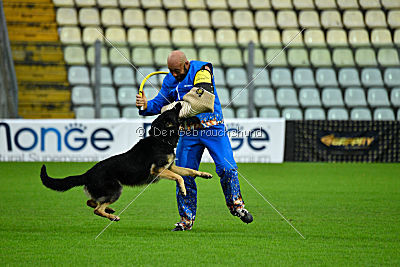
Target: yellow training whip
(146, 78)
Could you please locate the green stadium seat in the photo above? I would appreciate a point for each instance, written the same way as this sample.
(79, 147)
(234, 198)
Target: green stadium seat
(287, 19)
(281, 77)
(371, 77)
(240, 96)
(108, 96)
(238, 4)
(303, 77)
(138, 37)
(63, 3)
(151, 4)
(331, 19)
(309, 19)
(82, 95)
(133, 18)
(131, 113)
(326, 77)
(358, 37)
(314, 114)
(85, 3)
(337, 38)
(204, 37)
(195, 4)
(388, 57)
(332, 97)
(353, 19)
(66, 16)
(261, 77)
(349, 77)
(390, 4)
(276, 57)
(89, 16)
(115, 57)
(375, 19)
(221, 19)
(392, 77)
(325, 4)
(286, 97)
(338, 114)
(116, 36)
(260, 4)
(217, 4)
(172, 4)
(177, 18)
(160, 37)
(84, 112)
(343, 57)
(243, 113)
(199, 19)
(291, 37)
(223, 95)
(355, 97)
(123, 76)
(394, 19)
(70, 35)
(228, 113)
(111, 17)
(210, 55)
(155, 18)
(292, 114)
(320, 57)
(182, 37)
(247, 35)
(365, 57)
(270, 38)
(109, 113)
(236, 77)
(309, 97)
(281, 4)
(127, 96)
(219, 77)
(360, 114)
(378, 97)
(78, 75)
(314, 38)
(107, 3)
(160, 55)
(298, 57)
(265, 19)
(90, 55)
(105, 76)
(190, 52)
(395, 97)
(258, 57)
(303, 4)
(74, 55)
(264, 97)
(141, 73)
(162, 76)
(370, 4)
(381, 37)
(91, 34)
(269, 113)
(226, 38)
(384, 114)
(142, 56)
(243, 19)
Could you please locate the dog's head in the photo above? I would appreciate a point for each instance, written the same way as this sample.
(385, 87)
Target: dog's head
(166, 126)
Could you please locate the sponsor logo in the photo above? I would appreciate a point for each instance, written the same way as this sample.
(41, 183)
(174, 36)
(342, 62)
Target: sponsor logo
(353, 142)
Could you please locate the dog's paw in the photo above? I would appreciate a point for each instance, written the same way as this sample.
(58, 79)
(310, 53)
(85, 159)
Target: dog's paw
(205, 175)
(116, 219)
(182, 192)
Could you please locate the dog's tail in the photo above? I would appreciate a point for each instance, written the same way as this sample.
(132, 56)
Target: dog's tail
(61, 184)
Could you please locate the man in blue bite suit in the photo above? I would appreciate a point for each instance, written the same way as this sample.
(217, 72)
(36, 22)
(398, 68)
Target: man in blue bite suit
(201, 131)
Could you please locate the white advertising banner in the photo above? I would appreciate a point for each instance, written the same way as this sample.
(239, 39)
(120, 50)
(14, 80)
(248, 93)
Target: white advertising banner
(252, 140)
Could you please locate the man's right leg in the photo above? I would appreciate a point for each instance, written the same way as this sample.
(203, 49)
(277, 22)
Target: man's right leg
(188, 155)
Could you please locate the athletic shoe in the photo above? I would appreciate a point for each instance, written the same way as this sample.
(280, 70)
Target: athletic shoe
(181, 227)
(243, 214)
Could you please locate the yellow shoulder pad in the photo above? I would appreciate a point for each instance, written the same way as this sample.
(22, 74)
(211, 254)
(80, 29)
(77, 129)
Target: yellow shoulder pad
(202, 76)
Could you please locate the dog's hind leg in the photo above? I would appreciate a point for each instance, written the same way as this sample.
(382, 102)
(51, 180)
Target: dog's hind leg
(100, 211)
(93, 204)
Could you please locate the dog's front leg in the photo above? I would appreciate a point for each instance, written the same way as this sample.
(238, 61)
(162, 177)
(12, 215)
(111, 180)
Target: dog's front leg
(189, 172)
(167, 174)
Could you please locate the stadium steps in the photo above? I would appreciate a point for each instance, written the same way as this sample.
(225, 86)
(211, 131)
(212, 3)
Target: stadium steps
(44, 91)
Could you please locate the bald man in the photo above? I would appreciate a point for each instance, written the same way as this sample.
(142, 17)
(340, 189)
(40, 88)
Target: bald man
(205, 130)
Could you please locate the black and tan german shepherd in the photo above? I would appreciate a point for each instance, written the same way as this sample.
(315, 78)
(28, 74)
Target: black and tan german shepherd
(151, 158)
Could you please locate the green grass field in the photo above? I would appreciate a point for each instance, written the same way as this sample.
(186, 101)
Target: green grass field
(349, 214)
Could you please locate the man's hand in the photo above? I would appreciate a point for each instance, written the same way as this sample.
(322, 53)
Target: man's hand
(141, 101)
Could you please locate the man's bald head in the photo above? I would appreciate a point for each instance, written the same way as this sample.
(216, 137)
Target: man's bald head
(178, 64)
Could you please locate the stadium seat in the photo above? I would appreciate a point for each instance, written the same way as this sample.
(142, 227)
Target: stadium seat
(78, 75)
(261, 77)
(365, 57)
(89, 16)
(66, 16)
(332, 97)
(292, 114)
(129, 3)
(264, 97)
(392, 77)
(337, 38)
(303, 4)
(219, 77)
(394, 19)
(116, 36)
(369, 4)
(150, 91)
(84, 112)
(395, 97)
(182, 37)
(216, 4)
(172, 4)
(326, 77)
(85, 3)
(381, 37)
(275, 57)
(108, 95)
(269, 113)
(298, 57)
(199, 19)
(109, 113)
(236, 77)
(309, 19)
(287, 19)
(127, 96)
(177, 18)
(265, 19)
(223, 95)
(210, 55)
(228, 113)
(292, 37)
(238, 4)
(331, 19)
(243, 19)
(155, 18)
(384, 114)
(105, 75)
(355, 97)
(325, 4)
(270, 38)
(371, 77)
(130, 113)
(338, 114)
(247, 35)
(151, 3)
(353, 19)
(226, 38)
(111, 17)
(162, 76)
(142, 72)
(260, 4)
(314, 38)
(133, 18)
(138, 37)
(358, 37)
(221, 19)
(142, 56)
(258, 60)
(74, 55)
(378, 97)
(375, 19)
(314, 114)
(240, 97)
(360, 114)
(107, 3)
(281, 4)
(91, 34)
(286, 97)
(116, 58)
(303, 77)
(204, 37)
(388, 4)
(195, 4)
(63, 3)
(320, 57)
(309, 97)
(160, 55)
(388, 57)
(123, 76)
(281, 77)
(82, 95)
(90, 55)
(343, 57)
(160, 37)
(349, 77)
(70, 35)
(190, 52)
(347, 4)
